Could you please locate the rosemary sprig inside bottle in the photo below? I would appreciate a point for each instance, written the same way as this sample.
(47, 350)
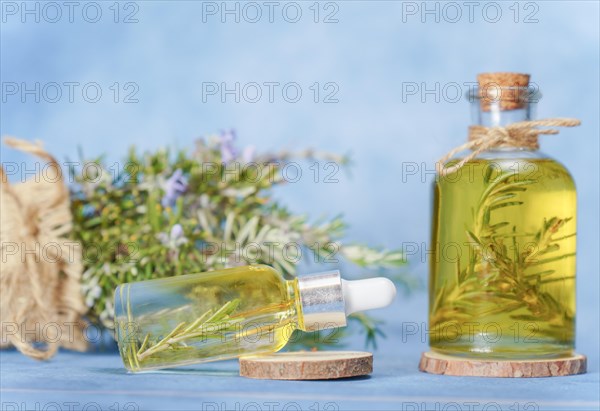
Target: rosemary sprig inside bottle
(497, 277)
(207, 323)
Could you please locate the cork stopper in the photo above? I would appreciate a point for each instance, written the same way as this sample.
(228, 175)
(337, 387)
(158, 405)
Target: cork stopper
(506, 91)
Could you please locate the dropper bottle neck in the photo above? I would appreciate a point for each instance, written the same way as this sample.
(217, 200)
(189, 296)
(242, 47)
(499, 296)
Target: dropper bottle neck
(324, 300)
(321, 301)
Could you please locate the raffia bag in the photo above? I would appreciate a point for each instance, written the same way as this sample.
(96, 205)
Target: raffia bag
(41, 304)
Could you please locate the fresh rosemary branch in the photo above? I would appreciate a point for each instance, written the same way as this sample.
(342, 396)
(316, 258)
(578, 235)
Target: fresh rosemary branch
(166, 213)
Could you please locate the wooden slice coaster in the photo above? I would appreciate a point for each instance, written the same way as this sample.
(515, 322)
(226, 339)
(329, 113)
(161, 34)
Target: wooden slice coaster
(435, 363)
(313, 365)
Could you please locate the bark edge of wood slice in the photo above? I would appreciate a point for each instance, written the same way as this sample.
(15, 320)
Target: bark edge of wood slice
(309, 365)
(436, 363)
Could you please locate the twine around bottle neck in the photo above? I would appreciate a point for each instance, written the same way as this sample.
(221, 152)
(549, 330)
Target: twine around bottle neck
(523, 134)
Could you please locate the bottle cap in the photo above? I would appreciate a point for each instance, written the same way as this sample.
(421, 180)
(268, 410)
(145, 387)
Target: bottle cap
(503, 91)
(327, 299)
(361, 295)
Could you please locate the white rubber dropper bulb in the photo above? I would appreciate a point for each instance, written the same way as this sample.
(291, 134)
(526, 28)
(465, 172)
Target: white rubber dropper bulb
(361, 295)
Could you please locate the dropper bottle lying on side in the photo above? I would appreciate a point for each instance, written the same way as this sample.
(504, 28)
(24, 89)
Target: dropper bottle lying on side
(228, 313)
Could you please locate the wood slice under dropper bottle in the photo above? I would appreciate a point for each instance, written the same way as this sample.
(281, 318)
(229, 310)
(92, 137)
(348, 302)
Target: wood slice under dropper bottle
(313, 365)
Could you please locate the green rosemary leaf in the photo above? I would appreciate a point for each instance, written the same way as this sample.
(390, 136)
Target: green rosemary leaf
(457, 272)
(549, 249)
(487, 215)
(497, 226)
(499, 309)
(512, 189)
(172, 333)
(507, 204)
(202, 319)
(94, 221)
(224, 311)
(525, 317)
(440, 297)
(511, 235)
(143, 346)
(540, 273)
(550, 301)
(517, 184)
(488, 175)
(497, 197)
(549, 260)
(552, 280)
(564, 237)
(473, 238)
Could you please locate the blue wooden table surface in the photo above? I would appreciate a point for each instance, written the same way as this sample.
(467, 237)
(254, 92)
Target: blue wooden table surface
(73, 381)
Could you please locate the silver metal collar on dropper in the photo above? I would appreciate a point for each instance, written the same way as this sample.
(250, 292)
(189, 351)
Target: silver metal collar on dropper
(322, 300)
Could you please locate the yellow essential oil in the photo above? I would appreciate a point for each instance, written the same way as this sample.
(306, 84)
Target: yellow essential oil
(238, 313)
(229, 313)
(503, 276)
(502, 272)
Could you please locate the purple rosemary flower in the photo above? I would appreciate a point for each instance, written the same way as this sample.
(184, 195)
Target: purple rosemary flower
(248, 154)
(174, 187)
(174, 239)
(228, 151)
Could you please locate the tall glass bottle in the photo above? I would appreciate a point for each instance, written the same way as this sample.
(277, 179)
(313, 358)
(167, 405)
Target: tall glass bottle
(502, 278)
(228, 313)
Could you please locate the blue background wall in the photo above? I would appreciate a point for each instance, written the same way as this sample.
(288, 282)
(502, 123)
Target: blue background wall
(370, 52)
